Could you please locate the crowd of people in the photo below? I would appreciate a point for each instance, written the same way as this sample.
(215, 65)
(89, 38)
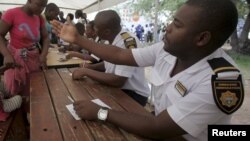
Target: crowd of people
(188, 64)
(146, 33)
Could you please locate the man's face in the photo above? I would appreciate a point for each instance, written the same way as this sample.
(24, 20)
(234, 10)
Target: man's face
(90, 33)
(179, 37)
(53, 14)
(37, 6)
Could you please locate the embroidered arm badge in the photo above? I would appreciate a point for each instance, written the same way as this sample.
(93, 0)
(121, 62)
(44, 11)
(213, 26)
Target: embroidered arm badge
(227, 85)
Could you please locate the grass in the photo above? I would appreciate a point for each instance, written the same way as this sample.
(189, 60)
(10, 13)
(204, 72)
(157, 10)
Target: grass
(243, 61)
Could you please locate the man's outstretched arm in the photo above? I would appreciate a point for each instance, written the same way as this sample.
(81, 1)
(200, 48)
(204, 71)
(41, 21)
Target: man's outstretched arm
(109, 53)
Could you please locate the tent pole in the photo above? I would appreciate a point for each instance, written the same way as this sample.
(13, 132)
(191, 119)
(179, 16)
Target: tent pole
(99, 5)
(156, 21)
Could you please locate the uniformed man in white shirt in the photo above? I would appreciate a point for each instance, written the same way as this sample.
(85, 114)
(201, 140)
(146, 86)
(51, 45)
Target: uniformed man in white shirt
(130, 79)
(196, 82)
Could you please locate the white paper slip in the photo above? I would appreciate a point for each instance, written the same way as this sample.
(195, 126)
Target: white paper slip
(70, 99)
(100, 103)
(72, 111)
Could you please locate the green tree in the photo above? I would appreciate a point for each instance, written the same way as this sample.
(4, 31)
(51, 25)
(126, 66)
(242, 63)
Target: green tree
(147, 7)
(240, 42)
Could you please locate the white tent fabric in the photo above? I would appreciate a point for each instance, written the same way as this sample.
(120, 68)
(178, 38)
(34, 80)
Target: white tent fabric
(67, 6)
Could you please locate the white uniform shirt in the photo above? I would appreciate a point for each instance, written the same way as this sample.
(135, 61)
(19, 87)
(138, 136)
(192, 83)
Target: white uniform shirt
(197, 108)
(136, 79)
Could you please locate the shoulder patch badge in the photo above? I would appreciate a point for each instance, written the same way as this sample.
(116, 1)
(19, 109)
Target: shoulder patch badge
(129, 41)
(228, 92)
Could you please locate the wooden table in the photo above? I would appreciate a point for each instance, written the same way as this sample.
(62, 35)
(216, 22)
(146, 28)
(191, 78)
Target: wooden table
(51, 121)
(54, 56)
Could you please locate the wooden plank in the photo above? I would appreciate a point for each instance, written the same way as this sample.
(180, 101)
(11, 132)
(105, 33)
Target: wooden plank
(74, 87)
(100, 132)
(54, 56)
(18, 129)
(115, 98)
(71, 128)
(43, 121)
(128, 103)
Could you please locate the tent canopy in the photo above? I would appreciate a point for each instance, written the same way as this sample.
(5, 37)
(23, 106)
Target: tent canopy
(68, 6)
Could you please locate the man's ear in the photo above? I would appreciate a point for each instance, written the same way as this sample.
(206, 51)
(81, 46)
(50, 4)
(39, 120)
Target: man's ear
(203, 38)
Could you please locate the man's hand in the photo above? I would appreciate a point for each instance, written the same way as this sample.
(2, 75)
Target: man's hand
(86, 110)
(85, 65)
(79, 73)
(65, 31)
(69, 56)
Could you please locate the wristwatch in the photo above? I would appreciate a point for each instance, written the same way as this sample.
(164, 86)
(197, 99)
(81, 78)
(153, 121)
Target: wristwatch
(102, 114)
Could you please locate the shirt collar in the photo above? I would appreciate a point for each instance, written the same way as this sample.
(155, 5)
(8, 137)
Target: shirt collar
(170, 59)
(118, 37)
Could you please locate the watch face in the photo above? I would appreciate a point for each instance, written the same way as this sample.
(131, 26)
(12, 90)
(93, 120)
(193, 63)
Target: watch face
(102, 114)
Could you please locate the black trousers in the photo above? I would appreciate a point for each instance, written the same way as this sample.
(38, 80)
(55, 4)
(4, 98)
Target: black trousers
(138, 98)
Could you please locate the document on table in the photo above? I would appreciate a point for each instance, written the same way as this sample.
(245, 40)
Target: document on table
(70, 107)
(100, 103)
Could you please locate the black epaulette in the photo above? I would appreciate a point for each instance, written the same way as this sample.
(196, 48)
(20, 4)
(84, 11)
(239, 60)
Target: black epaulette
(129, 41)
(227, 85)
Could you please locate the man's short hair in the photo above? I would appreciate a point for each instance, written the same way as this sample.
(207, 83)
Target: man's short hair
(220, 17)
(92, 24)
(80, 28)
(112, 20)
(79, 13)
(71, 16)
(51, 7)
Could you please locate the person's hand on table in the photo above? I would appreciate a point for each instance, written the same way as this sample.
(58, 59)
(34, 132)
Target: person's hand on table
(69, 55)
(86, 110)
(62, 49)
(79, 73)
(85, 64)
